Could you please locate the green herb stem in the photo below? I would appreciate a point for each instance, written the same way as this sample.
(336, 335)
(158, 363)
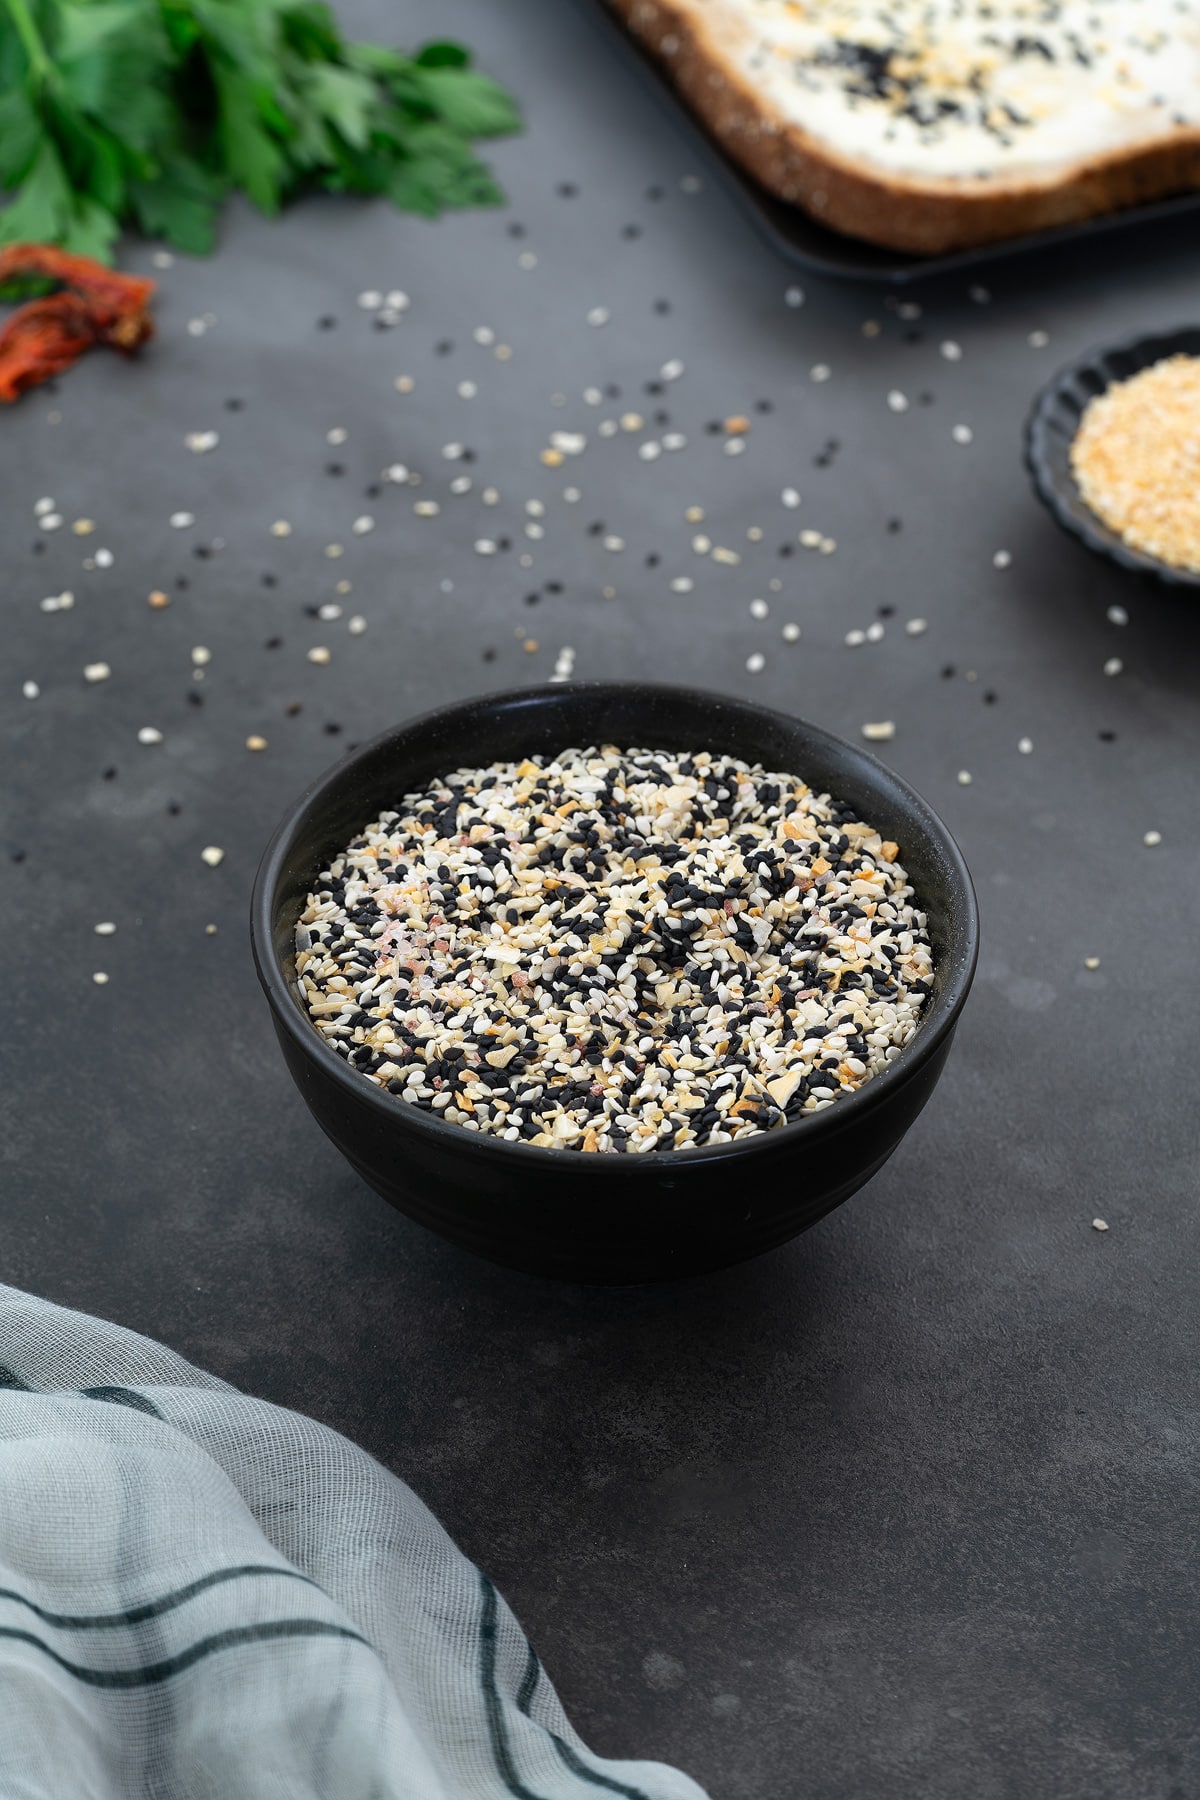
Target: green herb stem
(39, 58)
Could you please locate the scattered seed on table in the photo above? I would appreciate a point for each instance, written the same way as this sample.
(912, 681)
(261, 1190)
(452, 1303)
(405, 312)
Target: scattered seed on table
(1091, 962)
(915, 627)
(1099, 1225)
(105, 928)
(1025, 746)
(1038, 340)
(881, 732)
(320, 654)
(83, 527)
(357, 625)
(1151, 838)
(820, 372)
(213, 855)
(793, 296)
(951, 351)
(790, 632)
(621, 951)
(897, 401)
(876, 632)
(962, 434)
(363, 524)
(200, 441)
(254, 742)
(281, 529)
(1002, 559)
(759, 609)
(96, 671)
(100, 978)
(965, 778)
(30, 690)
(149, 734)
(756, 662)
(201, 655)
(158, 599)
(104, 559)
(210, 931)
(1113, 666)
(181, 520)
(1117, 615)
(855, 637)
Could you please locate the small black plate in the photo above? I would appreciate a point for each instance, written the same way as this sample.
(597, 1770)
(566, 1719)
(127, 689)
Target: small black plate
(1052, 426)
(801, 240)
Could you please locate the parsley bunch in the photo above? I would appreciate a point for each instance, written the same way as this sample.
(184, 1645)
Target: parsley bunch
(147, 113)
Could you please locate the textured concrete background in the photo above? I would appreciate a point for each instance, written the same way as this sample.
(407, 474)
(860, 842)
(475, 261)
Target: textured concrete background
(905, 1511)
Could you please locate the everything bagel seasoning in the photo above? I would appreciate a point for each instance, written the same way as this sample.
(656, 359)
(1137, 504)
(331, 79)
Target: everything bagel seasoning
(616, 950)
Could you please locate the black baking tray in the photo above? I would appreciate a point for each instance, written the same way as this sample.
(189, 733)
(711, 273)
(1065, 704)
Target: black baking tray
(809, 245)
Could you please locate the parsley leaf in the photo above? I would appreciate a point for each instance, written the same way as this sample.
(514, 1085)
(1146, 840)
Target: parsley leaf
(147, 113)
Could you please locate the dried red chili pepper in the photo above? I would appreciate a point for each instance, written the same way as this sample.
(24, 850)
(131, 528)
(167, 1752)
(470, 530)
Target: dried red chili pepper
(97, 306)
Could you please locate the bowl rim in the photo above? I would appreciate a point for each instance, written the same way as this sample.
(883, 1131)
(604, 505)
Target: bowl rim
(931, 1033)
(1053, 491)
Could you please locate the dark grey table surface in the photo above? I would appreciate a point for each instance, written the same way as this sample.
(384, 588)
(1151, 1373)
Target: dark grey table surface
(905, 1511)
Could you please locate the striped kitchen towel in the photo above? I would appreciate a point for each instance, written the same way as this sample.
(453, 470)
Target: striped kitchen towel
(206, 1597)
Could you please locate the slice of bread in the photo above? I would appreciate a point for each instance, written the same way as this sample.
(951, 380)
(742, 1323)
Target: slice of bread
(934, 125)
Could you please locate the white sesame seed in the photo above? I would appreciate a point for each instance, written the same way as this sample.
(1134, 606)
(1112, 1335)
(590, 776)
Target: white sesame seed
(356, 626)
(734, 446)
(404, 384)
(793, 296)
(820, 372)
(201, 655)
(1002, 559)
(320, 654)
(50, 521)
(1091, 962)
(855, 637)
(149, 734)
(196, 327)
(897, 401)
(83, 527)
(756, 662)
(572, 443)
(483, 334)
(1038, 340)
(1151, 838)
(701, 544)
(181, 520)
(485, 547)
(965, 778)
(683, 584)
(1113, 666)
(916, 627)
(650, 451)
(50, 604)
(162, 259)
(593, 396)
(96, 671)
(951, 351)
(334, 551)
(43, 506)
(467, 390)
(790, 632)
(256, 742)
(105, 928)
(370, 300)
(426, 509)
(810, 539)
(614, 543)
(1025, 746)
(908, 310)
(490, 496)
(213, 855)
(790, 498)
(599, 315)
(871, 328)
(980, 295)
(671, 370)
(1099, 1225)
(880, 732)
(30, 690)
(398, 301)
(281, 529)
(759, 609)
(329, 611)
(104, 559)
(362, 525)
(337, 435)
(607, 428)
(535, 509)
(962, 434)
(827, 546)
(875, 632)
(535, 531)
(461, 484)
(674, 440)
(1117, 615)
(200, 441)
(100, 978)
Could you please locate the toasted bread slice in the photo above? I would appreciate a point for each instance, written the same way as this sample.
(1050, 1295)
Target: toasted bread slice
(933, 125)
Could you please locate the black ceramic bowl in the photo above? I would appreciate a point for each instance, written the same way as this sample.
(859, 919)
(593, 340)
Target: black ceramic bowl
(1051, 427)
(610, 1218)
